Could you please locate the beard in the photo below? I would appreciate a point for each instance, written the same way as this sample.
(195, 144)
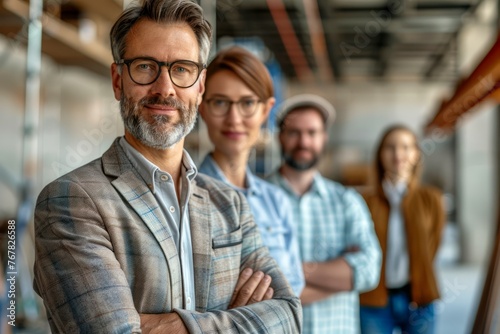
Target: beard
(154, 132)
(303, 165)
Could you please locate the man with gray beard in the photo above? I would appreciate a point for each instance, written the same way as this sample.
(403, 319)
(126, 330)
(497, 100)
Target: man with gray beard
(139, 242)
(151, 133)
(338, 246)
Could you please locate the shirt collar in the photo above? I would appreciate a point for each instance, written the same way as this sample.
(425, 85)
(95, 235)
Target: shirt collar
(189, 166)
(252, 183)
(394, 192)
(147, 169)
(318, 185)
(253, 186)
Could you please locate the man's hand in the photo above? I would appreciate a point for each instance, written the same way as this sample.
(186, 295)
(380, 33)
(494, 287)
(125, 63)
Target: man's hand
(162, 324)
(251, 288)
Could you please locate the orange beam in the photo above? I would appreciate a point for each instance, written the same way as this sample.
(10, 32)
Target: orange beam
(290, 40)
(318, 41)
(483, 83)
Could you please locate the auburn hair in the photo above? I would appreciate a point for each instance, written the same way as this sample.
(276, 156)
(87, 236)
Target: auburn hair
(247, 67)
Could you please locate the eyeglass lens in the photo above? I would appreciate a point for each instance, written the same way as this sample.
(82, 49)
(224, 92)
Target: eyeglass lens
(220, 107)
(146, 71)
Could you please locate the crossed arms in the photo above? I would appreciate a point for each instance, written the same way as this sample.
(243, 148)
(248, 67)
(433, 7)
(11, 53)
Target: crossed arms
(92, 280)
(357, 268)
(252, 287)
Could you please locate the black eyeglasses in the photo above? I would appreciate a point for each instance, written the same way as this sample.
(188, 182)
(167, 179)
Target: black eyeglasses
(220, 106)
(145, 71)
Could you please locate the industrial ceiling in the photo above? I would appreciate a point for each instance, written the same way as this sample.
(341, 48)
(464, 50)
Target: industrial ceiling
(344, 40)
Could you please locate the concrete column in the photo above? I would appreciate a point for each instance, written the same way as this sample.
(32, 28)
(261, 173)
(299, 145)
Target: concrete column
(477, 138)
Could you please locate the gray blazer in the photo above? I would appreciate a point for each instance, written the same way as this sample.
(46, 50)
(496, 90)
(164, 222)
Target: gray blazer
(104, 255)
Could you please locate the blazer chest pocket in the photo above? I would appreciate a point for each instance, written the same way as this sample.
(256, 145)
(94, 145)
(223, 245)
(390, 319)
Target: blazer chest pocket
(226, 262)
(227, 247)
(228, 240)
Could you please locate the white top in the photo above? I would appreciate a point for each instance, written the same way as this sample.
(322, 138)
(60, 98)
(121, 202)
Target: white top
(397, 262)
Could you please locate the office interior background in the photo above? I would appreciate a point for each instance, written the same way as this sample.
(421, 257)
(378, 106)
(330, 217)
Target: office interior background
(379, 62)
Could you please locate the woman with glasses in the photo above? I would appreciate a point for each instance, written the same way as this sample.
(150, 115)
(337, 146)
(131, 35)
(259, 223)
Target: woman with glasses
(237, 100)
(408, 219)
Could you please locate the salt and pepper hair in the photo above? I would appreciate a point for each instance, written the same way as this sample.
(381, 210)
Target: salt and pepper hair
(162, 11)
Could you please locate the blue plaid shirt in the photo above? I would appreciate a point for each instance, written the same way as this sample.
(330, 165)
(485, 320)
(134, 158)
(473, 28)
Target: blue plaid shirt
(273, 215)
(330, 218)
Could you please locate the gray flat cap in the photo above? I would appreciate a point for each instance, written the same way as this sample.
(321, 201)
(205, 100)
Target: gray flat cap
(306, 100)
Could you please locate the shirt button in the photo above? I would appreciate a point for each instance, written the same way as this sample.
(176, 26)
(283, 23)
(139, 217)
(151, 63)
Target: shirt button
(164, 177)
(188, 300)
(172, 209)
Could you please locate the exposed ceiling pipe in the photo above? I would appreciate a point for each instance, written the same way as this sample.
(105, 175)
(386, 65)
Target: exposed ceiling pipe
(483, 83)
(318, 41)
(290, 40)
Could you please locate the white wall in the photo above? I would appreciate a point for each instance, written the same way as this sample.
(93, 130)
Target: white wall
(477, 183)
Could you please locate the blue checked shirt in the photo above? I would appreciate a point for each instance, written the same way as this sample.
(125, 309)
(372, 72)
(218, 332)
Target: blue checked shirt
(273, 215)
(330, 218)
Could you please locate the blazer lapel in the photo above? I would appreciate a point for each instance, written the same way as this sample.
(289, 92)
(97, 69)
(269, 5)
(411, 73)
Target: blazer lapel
(141, 199)
(201, 234)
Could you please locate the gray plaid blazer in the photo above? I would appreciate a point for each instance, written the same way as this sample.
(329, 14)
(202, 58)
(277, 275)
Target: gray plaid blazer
(104, 255)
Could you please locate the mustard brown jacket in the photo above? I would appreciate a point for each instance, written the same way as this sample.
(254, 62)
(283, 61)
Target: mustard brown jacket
(424, 219)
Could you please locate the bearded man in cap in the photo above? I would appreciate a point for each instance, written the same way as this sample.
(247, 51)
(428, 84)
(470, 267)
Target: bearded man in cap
(337, 240)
